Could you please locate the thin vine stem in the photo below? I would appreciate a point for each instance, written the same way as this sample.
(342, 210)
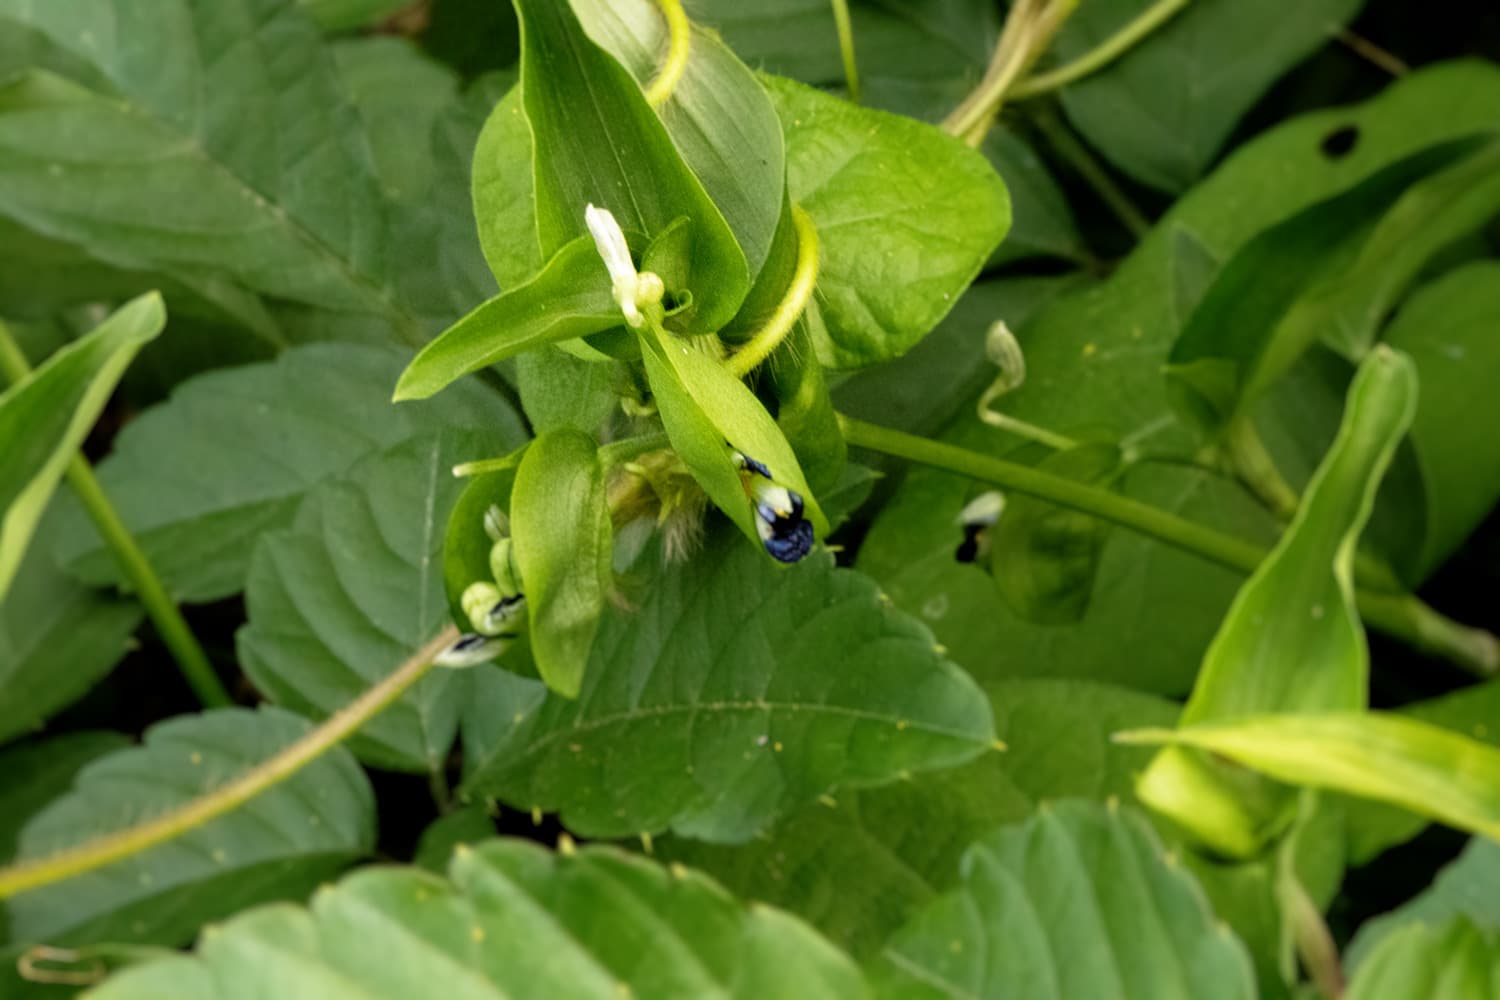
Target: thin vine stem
(798, 293)
(1070, 148)
(1100, 56)
(679, 40)
(111, 847)
(173, 629)
(1396, 614)
(846, 47)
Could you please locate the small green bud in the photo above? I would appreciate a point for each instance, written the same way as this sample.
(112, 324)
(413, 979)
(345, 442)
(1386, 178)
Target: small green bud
(478, 600)
(503, 568)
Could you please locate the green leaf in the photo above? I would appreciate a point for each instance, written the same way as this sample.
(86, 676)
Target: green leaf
(173, 186)
(352, 588)
(564, 551)
(447, 835)
(708, 412)
(50, 621)
(1252, 324)
(715, 705)
(596, 140)
(1292, 641)
(1043, 558)
(505, 194)
(1043, 223)
(906, 216)
(1079, 901)
(45, 417)
(277, 845)
(1162, 111)
(1468, 888)
(718, 115)
(1448, 328)
(39, 772)
(1420, 767)
(511, 920)
(252, 461)
(560, 390)
(859, 867)
(569, 298)
(1457, 960)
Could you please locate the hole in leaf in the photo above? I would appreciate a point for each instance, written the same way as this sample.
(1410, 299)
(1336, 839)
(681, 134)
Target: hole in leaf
(1340, 142)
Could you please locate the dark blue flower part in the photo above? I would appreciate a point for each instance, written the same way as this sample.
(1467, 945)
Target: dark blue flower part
(751, 465)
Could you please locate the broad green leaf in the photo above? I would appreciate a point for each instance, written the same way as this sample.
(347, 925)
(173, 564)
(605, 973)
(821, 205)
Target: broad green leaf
(596, 140)
(1042, 223)
(447, 835)
(256, 439)
(352, 588)
(505, 194)
(906, 217)
(175, 188)
(1424, 768)
(1094, 360)
(1292, 640)
(512, 919)
(36, 773)
(57, 637)
(45, 417)
(564, 552)
(708, 412)
(1162, 111)
(277, 845)
(1451, 330)
(1347, 307)
(1468, 888)
(1250, 327)
(1079, 901)
(1044, 558)
(718, 115)
(1457, 960)
(569, 298)
(860, 866)
(733, 692)
(560, 390)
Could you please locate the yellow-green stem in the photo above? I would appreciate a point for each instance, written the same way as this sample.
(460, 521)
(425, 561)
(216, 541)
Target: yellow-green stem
(798, 293)
(1399, 615)
(165, 615)
(112, 847)
(1102, 54)
(679, 39)
(846, 48)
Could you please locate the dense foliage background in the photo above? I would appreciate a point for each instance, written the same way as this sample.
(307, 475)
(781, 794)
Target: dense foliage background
(1241, 406)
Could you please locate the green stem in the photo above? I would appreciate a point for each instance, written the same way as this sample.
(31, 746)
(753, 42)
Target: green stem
(1093, 173)
(1101, 55)
(1400, 615)
(1256, 469)
(111, 847)
(798, 293)
(846, 48)
(170, 625)
(679, 40)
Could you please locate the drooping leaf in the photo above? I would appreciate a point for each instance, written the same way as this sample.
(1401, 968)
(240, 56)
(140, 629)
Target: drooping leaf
(505, 194)
(48, 621)
(1429, 770)
(1043, 558)
(564, 552)
(277, 845)
(352, 588)
(1292, 641)
(708, 414)
(511, 920)
(1162, 111)
(569, 298)
(1449, 329)
(714, 706)
(256, 439)
(596, 140)
(45, 417)
(906, 217)
(1455, 959)
(1054, 908)
(860, 866)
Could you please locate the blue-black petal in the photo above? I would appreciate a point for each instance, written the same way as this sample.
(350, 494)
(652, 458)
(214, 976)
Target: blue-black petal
(790, 540)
